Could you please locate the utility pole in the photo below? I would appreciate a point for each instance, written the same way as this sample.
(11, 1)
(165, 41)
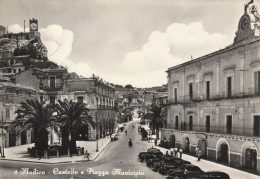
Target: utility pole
(97, 130)
(3, 155)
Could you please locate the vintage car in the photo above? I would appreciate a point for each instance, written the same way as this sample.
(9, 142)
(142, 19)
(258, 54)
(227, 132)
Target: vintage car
(185, 171)
(166, 166)
(114, 137)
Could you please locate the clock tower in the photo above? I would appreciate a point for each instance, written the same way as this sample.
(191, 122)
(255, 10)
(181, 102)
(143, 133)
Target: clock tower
(249, 23)
(33, 25)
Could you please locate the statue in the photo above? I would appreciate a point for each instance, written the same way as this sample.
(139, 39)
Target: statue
(246, 5)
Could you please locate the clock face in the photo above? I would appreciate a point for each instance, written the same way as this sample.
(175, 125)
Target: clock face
(33, 26)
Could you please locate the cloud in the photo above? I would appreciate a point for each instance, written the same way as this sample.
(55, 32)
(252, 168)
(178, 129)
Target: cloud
(169, 48)
(16, 28)
(59, 43)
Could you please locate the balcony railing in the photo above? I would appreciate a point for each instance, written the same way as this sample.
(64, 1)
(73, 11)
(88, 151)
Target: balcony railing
(222, 95)
(57, 87)
(253, 132)
(105, 107)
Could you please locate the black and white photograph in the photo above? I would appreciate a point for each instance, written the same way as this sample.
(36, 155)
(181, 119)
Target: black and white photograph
(130, 89)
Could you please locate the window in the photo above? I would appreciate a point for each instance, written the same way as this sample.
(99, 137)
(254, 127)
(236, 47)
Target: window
(52, 82)
(52, 100)
(190, 91)
(14, 70)
(229, 124)
(229, 86)
(257, 83)
(191, 122)
(257, 126)
(7, 113)
(19, 70)
(41, 98)
(207, 90)
(176, 122)
(29, 93)
(207, 123)
(41, 82)
(175, 95)
(17, 92)
(80, 99)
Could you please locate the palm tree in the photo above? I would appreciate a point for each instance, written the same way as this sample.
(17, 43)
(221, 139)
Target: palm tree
(156, 115)
(37, 116)
(72, 116)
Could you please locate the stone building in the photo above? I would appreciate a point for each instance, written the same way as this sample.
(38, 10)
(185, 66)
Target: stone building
(10, 97)
(214, 100)
(99, 99)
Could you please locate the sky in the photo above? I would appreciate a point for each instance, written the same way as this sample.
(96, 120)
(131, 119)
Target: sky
(127, 41)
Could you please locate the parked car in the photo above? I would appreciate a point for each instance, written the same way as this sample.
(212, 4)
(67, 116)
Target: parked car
(185, 171)
(215, 175)
(157, 165)
(150, 162)
(114, 137)
(149, 151)
(151, 155)
(166, 166)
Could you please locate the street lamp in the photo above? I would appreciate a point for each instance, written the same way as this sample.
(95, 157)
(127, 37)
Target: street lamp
(3, 154)
(97, 130)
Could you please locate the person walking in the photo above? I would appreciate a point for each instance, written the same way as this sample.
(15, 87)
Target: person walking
(155, 142)
(180, 151)
(167, 153)
(199, 155)
(196, 150)
(171, 151)
(125, 132)
(175, 151)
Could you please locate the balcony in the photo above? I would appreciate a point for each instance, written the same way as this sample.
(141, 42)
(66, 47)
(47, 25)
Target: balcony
(251, 132)
(57, 87)
(203, 97)
(105, 107)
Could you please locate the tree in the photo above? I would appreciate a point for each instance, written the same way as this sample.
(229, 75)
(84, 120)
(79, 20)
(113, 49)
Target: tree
(156, 115)
(71, 116)
(37, 116)
(129, 86)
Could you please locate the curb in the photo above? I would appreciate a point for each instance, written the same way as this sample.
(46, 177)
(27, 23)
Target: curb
(55, 162)
(101, 150)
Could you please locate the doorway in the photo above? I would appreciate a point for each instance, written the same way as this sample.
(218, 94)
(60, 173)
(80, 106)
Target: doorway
(251, 159)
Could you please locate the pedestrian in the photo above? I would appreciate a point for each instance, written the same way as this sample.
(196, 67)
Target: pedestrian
(196, 150)
(180, 151)
(125, 132)
(171, 150)
(175, 151)
(155, 142)
(167, 153)
(199, 155)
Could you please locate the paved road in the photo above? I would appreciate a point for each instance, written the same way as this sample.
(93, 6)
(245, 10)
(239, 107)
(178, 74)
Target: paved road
(111, 163)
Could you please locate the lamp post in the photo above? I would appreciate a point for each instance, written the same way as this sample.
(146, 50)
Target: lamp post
(97, 130)
(3, 154)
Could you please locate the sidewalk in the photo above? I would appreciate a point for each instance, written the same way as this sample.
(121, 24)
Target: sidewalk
(19, 153)
(206, 165)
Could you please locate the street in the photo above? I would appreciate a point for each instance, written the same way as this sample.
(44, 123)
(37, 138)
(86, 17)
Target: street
(115, 157)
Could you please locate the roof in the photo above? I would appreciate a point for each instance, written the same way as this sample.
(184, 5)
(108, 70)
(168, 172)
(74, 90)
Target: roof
(8, 84)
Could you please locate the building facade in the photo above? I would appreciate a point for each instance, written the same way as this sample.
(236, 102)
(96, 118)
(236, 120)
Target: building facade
(214, 100)
(99, 99)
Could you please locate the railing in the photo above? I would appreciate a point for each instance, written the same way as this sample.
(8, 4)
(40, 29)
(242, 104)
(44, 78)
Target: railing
(57, 87)
(253, 132)
(105, 107)
(222, 95)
